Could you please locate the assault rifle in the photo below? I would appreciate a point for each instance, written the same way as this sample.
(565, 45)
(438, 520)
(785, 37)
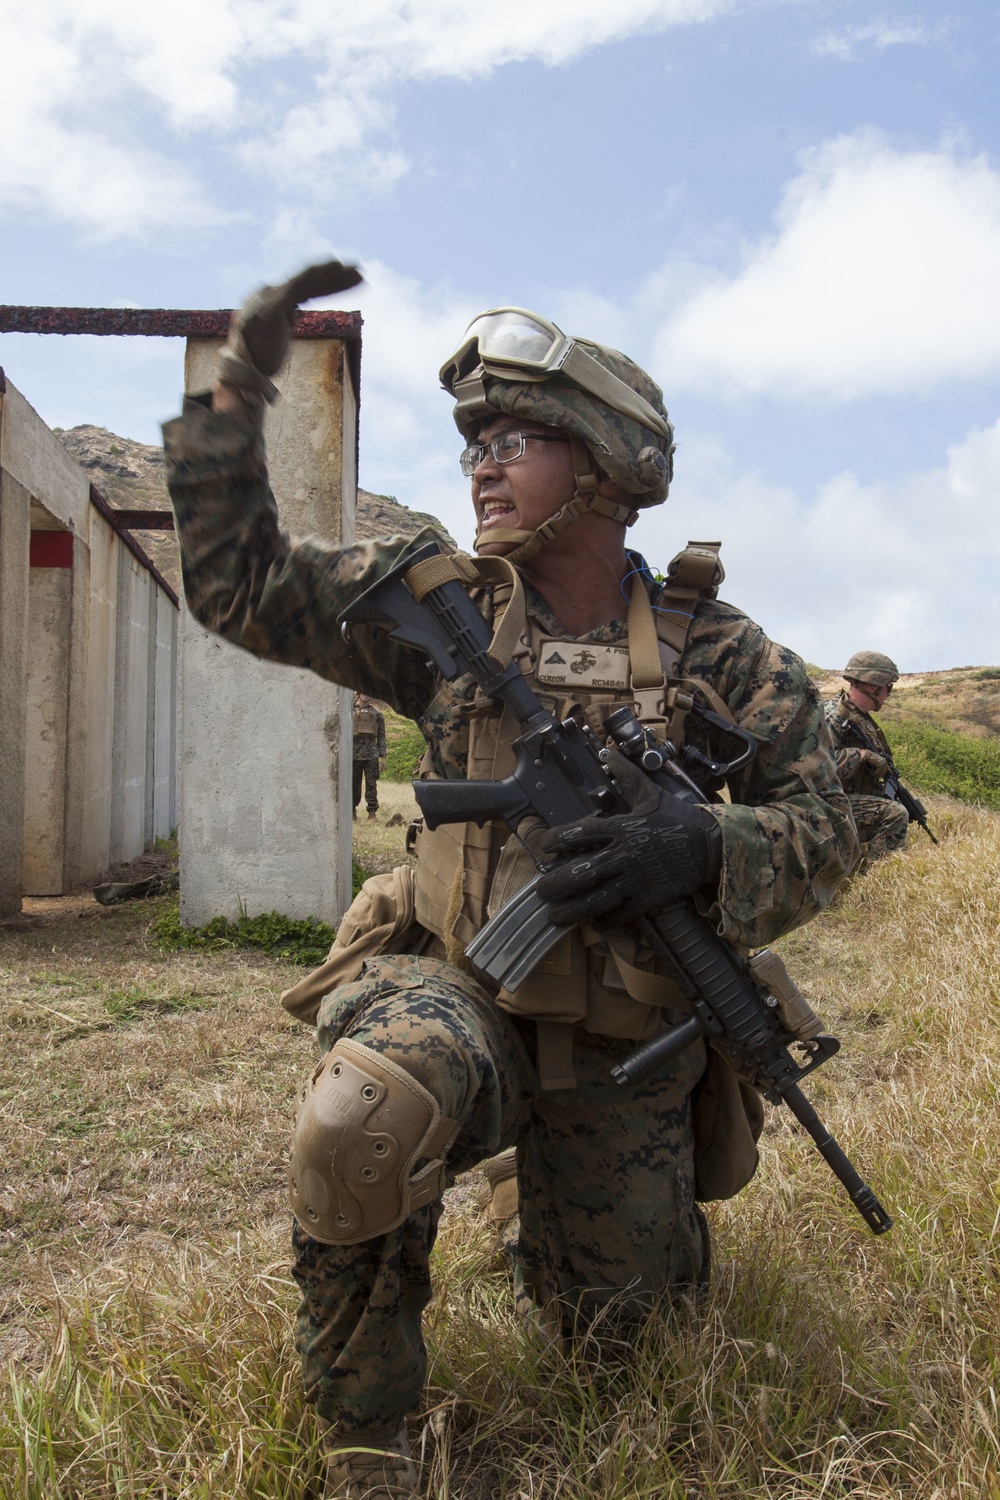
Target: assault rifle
(894, 788)
(752, 1011)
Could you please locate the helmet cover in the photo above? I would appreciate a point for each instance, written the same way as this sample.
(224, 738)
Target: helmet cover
(873, 667)
(639, 460)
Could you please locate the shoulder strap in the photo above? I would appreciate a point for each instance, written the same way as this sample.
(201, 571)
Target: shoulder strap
(695, 573)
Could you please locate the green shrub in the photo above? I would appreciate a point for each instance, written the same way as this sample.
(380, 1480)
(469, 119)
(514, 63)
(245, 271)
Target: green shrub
(297, 941)
(939, 760)
(988, 674)
(405, 750)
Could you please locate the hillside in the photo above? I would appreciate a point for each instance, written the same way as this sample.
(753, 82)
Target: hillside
(965, 700)
(132, 475)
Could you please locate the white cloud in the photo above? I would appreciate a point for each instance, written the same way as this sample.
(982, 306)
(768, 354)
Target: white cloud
(298, 89)
(881, 277)
(409, 442)
(879, 33)
(910, 567)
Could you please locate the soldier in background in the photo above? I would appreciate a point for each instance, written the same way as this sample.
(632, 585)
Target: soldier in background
(368, 726)
(881, 823)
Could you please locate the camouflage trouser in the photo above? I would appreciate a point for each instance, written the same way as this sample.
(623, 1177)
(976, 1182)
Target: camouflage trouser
(881, 824)
(606, 1184)
(369, 770)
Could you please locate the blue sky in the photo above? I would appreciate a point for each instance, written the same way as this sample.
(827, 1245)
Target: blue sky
(789, 212)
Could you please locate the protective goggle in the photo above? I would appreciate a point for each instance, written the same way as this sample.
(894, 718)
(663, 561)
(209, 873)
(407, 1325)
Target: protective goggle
(514, 344)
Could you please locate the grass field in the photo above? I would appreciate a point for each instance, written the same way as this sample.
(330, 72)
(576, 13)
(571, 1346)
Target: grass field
(146, 1296)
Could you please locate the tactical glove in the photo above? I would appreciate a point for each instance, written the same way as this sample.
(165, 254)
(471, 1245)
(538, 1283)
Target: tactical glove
(877, 764)
(634, 862)
(259, 334)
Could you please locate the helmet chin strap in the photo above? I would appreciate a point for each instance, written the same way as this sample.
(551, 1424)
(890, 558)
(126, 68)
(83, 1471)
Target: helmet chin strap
(584, 498)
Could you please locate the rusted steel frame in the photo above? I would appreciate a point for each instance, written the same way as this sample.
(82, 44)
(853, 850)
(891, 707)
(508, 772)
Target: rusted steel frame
(165, 322)
(180, 323)
(109, 513)
(145, 520)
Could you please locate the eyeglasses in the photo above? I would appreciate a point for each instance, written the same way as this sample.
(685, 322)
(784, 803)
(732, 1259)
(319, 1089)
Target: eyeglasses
(518, 345)
(505, 448)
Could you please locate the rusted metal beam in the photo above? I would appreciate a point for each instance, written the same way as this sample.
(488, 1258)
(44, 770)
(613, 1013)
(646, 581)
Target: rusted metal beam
(109, 513)
(145, 520)
(165, 322)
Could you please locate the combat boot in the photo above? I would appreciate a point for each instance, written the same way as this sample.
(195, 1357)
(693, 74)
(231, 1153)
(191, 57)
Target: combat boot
(370, 1464)
(501, 1174)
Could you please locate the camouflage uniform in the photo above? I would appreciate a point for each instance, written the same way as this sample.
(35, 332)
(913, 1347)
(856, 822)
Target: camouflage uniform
(606, 1176)
(369, 752)
(881, 822)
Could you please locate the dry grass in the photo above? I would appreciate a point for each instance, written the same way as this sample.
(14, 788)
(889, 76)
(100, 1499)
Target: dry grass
(377, 845)
(144, 1268)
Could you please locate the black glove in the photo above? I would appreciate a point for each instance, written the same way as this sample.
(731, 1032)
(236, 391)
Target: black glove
(631, 863)
(260, 332)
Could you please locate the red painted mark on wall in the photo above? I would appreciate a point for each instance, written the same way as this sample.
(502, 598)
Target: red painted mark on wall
(51, 549)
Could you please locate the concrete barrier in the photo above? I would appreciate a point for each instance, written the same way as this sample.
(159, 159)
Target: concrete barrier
(265, 797)
(88, 671)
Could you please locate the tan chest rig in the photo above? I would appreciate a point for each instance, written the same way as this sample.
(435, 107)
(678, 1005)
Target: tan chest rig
(464, 873)
(365, 721)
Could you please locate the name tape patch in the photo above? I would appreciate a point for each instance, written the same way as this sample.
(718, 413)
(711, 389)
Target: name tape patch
(568, 664)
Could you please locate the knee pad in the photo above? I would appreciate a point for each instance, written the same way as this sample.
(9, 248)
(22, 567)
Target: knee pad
(361, 1123)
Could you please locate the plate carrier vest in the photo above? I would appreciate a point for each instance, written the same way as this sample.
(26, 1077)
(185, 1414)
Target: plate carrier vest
(465, 874)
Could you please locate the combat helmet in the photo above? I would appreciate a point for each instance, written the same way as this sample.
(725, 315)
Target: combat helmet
(872, 667)
(512, 362)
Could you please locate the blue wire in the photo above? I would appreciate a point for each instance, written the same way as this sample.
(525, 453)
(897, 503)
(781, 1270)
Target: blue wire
(644, 572)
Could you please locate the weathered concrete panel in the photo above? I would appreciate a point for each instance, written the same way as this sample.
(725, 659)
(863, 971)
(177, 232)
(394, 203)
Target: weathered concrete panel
(259, 781)
(265, 797)
(76, 716)
(162, 736)
(95, 854)
(128, 760)
(50, 599)
(31, 454)
(85, 636)
(15, 541)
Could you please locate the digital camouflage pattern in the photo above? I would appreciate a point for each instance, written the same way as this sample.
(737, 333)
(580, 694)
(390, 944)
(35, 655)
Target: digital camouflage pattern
(881, 825)
(606, 1174)
(881, 822)
(370, 746)
(369, 750)
(606, 1183)
(872, 666)
(788, 835)
(858, 775)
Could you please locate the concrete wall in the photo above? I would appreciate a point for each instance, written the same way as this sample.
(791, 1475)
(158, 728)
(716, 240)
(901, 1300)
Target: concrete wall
(15, 537)
(87, 675)
(265, 810)
(98, 784)
(50, 600)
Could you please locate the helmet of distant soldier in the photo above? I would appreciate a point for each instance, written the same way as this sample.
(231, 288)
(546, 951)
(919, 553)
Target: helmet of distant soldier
(872, 667)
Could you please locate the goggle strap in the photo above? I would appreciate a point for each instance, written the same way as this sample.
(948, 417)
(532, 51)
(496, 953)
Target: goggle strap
(587, 372)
